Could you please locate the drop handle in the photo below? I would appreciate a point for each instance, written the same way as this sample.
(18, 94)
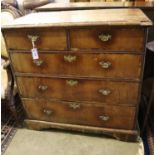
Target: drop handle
(105, 92)
(38, 62)
(71, 82)
(104, 118)
(105, 37)
(42, 87)
(105, 64)
(74, 106)
(69, 58)
(33, 39)
(48, 112)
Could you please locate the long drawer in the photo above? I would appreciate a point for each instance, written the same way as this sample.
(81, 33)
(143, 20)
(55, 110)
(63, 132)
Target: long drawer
(87, 65)
(108, 38)
(79, 90)
(83, 114)
(47, 39)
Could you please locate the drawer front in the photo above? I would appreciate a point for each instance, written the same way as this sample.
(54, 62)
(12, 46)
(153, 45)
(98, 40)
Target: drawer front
(113, 39)
(83, 114)
(48, 39)
(79, 90)
(86, 65)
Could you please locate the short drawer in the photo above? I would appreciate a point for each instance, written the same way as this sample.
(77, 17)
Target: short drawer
(106, 92)
(86, 65)
(119, 117)
(48, 39)
(109, 39)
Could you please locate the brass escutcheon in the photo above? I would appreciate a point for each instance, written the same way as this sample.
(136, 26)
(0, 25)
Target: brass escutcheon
(71, 82)
(42, 87)
(104, 118)
(74, 105)
(48, 112)
(33, 39)
(38, 62)
(104, 64)
(105, 37)
(104, 92)
(69, 58)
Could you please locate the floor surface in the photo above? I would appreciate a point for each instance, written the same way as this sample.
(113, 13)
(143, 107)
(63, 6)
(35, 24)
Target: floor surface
(30, 142)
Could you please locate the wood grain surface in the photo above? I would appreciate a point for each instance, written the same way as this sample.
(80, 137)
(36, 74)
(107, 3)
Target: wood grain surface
(121, 39)
(119, 117)
(82, 18)
(125, 66)
(81, 90)
(48, 39)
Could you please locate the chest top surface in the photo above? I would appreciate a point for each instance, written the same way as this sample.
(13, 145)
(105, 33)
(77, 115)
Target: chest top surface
(112, 17)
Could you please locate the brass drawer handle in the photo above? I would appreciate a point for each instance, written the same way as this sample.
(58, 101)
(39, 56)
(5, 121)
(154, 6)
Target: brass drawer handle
(38, 62)
(104, 118)
(104, 64)
(69, 58)
(42, 87)
(71, 82)
(33, 39)
(74, 105)
(105, 37)
(105, 92)
(48, 112)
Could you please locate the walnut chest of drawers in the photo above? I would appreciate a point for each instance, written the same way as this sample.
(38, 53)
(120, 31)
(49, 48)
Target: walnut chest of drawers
(89, 69)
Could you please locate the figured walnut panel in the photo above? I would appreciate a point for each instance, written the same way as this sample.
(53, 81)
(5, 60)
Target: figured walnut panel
(79, 90)
(122, 39)
(85, 114)
(48, 39)
(80, 64)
